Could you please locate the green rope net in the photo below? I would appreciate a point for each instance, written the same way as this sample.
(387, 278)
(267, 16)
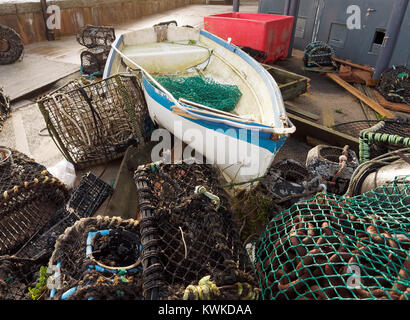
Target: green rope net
(332, 247)
(203, 90)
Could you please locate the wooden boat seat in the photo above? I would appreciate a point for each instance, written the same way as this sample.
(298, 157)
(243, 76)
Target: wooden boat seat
(166, 57)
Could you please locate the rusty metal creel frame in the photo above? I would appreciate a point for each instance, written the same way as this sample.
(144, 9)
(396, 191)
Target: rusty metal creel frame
(96, 123)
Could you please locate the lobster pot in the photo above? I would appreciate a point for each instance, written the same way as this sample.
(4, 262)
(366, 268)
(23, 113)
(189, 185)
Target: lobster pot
(353, 128)
(394, 85)
(12, 45)
(17, 275)
(93, 60)
(191, 249)
(325, 162)
(337, 248)
(318, 54)
(95, 36)
(383, 137)
(96, 123)
(288, 180)
(29, 197)
(84, 202)
(98, 259)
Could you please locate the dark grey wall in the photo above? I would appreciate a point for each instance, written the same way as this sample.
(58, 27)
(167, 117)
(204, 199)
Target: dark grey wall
(325, 20)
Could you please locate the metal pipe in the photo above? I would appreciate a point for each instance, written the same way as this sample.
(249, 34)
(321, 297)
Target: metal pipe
(236, 4)
(286, 8)
(293, 11)
(49, 33)
(392, 33)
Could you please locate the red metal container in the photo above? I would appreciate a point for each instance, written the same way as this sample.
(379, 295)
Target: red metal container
(269, 33)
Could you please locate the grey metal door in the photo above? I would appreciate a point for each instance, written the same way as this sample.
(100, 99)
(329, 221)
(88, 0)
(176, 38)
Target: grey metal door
(361, 45)
(308, 13)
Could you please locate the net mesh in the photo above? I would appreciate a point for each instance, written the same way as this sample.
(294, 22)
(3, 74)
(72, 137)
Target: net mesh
(84, 202)
(258, 55)
(191, 249)
(353, 128)
(4, 107)
(394, 84)
(203, 90)
(96, 36)
(93, 61)
(96, 123)
(331, 247)
(17, 275)
(29, 196)
(98, 258)
(383, 137)
(318, 54)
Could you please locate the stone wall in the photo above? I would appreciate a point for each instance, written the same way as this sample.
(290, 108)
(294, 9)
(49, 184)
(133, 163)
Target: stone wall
(27, 17)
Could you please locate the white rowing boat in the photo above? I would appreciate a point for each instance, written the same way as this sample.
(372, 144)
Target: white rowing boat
(242, 142)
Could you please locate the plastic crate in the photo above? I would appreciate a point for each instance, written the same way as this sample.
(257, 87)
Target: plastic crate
(264, 32)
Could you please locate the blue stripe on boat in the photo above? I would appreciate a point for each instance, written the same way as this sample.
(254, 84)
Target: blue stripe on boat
(265, 140)
(111, 57)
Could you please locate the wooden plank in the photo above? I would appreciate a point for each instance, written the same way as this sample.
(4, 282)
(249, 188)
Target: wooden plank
(321, 70)
(401, 107)
(371, 103)
(328, 119)
(355, 65)
(314, 141)
(305, 128)
(290, 84)
(368, 112)
(300, 112)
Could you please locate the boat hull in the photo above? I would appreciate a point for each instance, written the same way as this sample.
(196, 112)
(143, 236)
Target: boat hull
(241, 155)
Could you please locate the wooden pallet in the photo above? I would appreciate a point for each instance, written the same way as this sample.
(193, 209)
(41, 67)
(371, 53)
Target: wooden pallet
(291, 84)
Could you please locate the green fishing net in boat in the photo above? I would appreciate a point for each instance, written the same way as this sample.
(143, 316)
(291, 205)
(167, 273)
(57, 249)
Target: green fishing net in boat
(203, 90)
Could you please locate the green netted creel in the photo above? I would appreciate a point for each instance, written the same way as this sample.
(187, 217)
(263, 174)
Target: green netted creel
(332, 247)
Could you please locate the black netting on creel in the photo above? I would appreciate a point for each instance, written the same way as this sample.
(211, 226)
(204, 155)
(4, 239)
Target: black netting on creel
(98, 258)
(394, 84)
(4, 107)
(29, 196)
(94, 36)
(84, 202)
(383, 137)
(187, 236)
(17, 169)
(289, 181)
(93, 60)
(318, 54)
(258, 55)
(17, 275)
